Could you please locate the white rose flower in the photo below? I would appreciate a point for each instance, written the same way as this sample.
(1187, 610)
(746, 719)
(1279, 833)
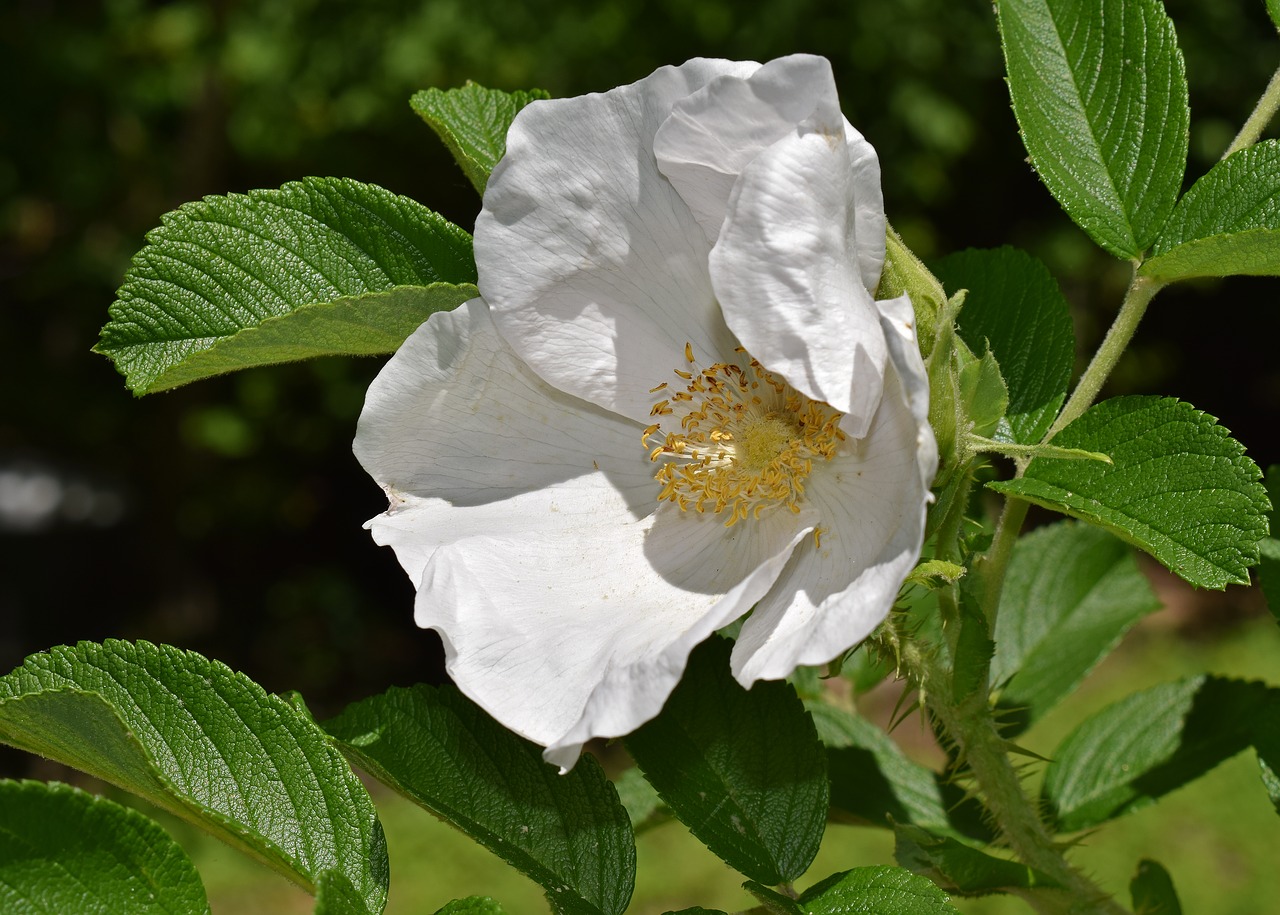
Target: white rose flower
(676, 400)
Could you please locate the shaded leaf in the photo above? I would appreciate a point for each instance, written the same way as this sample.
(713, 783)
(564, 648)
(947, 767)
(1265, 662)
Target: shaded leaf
(208, 745)
(959, 868)
(1100, 93)
(742, 769)
(1228, 223)
(1015, 308)
(472, 905)
(1180, 487)
(292, 271)
(473, 123)
(567, 832)
(882, 890)
(1148, 744)
(1269, 562)
(1070, 594)
(65, 851)
(1152, 890)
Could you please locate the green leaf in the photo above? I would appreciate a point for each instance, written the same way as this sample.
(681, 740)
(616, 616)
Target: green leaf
(1148, 744)
(473, 122)
(65, 851)
(1180, 487)
(742, 769)
(1100, 93)
(1228, 223)
(210, 746)
(1152, 890)
(1273, 10)
(472, 905)
(882, 890)
(871, 780)
(292, 270)
(1070, 594)
(567, 832)
(640, 800)
(983, 393)
(1015, 308)
(772, 901)
(960, 868)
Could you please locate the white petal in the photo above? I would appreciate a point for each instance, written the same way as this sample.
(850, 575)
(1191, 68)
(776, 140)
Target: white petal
(577, 634)
(787, 279)
(465, 439)
(713, 134)
(872, 502)
(593, 265)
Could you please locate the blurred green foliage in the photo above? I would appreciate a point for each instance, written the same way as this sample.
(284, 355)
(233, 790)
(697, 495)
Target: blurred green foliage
(241, 535)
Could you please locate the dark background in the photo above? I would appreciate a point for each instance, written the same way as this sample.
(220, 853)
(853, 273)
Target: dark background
(226, 517)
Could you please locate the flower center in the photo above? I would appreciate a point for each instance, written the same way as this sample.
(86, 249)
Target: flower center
(735, 438)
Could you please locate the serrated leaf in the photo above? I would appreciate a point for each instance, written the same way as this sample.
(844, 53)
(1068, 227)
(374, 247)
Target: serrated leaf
(960, 868)
(1148, 744)
(292, 270)
(772, 901)
(1180, 487)
(63, 850)
(1070, 594)
(473, 123)
(1100, 93)
(882, 890)
(567, 832)
(742, 769)
(640, 800)
(1227, 224)
(472, 905)
(1152, 890)
(1015, 308)
(983, 393)
(208, 745)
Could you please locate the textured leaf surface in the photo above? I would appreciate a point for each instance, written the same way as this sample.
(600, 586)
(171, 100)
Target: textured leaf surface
(1152, 890)
(437, 748)
(1148, 744)
(1100, 93)
(882, 890)
(1070, 594)
(1228, 223)
(1180, 487)
(65, 851)
(473, 122)
(742, 769)
(212, 747)
(472, 905)
(960, 868)
(1015, 307)
(1273, 10)
(295, 266)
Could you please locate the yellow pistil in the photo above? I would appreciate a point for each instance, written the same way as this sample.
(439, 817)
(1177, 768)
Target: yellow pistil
(745, 440)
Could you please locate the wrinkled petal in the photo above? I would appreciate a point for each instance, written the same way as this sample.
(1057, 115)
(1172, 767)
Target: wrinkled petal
(595, 268)
(712, 135)
(786, 279)
(837, 588)
(567, 600)
(465, 438)
(584, 631)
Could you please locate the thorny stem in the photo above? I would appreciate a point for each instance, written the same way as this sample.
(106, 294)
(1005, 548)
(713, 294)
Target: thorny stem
(1258, 120)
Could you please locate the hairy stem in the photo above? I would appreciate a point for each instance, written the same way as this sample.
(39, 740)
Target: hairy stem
(970, 724)
(1136, 298)
(1258, 120)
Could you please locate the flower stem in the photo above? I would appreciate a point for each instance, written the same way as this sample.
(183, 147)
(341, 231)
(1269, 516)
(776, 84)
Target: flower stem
(970, 723)
(1261, 116)
(1136, 298)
